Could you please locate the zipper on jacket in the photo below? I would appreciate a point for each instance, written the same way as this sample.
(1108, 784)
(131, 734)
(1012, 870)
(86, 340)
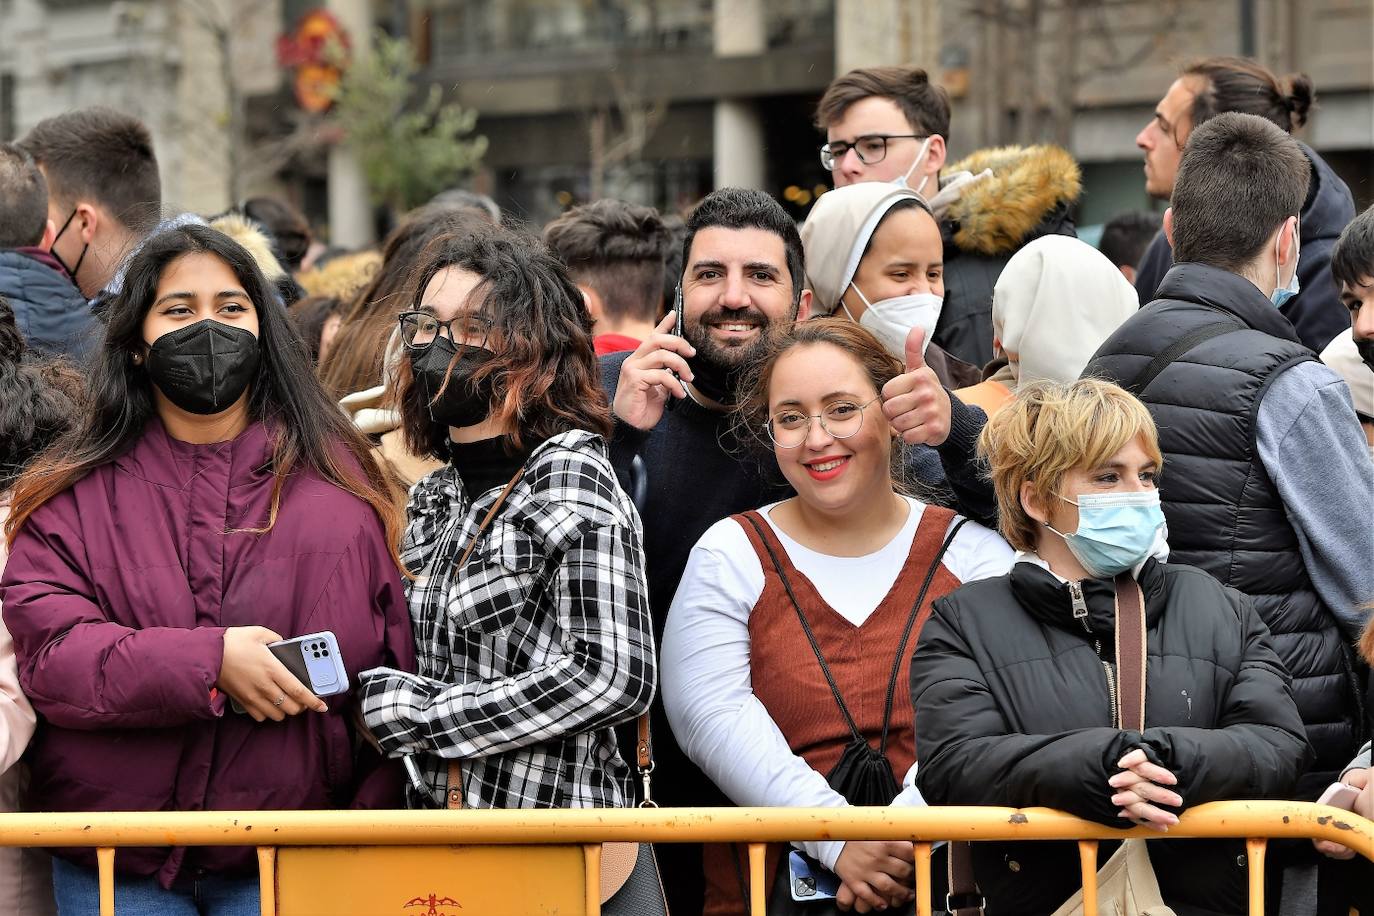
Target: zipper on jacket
(1080, 607)
(1080, 613)
(1111, 694)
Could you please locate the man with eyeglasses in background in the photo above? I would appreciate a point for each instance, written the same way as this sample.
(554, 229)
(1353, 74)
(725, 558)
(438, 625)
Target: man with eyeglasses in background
(891, 124)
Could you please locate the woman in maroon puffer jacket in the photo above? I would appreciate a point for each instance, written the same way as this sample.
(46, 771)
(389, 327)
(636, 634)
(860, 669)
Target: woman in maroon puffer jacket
(211, 500)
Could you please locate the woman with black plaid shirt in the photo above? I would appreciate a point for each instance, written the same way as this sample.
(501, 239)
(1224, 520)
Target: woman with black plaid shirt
(527, 597)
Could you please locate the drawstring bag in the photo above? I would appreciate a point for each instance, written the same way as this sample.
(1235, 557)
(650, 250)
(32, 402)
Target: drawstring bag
(863, 774)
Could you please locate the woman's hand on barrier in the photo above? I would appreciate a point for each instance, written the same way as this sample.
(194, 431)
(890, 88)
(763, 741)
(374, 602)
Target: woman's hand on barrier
(251, 674)
(1140, 787)
(877, 874)
(1364, 807)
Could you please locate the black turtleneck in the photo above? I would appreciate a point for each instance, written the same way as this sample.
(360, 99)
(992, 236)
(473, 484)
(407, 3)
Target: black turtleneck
(486, 463)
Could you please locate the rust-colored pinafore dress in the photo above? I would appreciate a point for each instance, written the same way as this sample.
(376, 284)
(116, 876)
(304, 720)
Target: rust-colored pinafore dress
(789, 682)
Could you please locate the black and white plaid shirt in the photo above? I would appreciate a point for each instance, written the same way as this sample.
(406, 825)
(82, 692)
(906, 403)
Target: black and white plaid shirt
(530, 653)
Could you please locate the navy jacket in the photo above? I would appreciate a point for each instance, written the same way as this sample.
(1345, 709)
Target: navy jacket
(51, 312)
(1316, 311)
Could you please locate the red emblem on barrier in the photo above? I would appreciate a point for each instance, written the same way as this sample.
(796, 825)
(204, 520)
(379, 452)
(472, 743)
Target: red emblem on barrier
(432, 902)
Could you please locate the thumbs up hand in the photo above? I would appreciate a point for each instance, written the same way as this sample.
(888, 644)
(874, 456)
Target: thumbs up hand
(915, 349)
(915, 403)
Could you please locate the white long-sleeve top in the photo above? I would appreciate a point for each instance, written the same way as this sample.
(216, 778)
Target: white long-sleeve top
(705, 673)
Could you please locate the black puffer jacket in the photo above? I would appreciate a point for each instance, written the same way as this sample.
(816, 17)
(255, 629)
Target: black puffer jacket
(1012, 709)
(1225, 513)
(1316, 311)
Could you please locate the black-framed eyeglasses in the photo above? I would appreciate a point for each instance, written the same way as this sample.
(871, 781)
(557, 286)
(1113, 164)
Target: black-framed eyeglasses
(841, 419)
(870, 148)
(420, 329)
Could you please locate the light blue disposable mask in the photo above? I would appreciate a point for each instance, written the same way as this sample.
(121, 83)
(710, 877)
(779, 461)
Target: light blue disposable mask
(1282, 294)
(1116, 531)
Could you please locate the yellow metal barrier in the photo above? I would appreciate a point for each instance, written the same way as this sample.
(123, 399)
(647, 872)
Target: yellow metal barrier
(310, 861)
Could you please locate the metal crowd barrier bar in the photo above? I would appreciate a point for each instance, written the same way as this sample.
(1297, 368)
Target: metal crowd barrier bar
(305, 856)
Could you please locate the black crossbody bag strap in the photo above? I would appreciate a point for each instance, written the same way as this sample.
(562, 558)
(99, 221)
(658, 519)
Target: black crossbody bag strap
(1177, 349)
(901, 646)
(806, 628)
(910, 625)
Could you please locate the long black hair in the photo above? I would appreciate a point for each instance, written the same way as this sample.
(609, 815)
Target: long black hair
(309, 428)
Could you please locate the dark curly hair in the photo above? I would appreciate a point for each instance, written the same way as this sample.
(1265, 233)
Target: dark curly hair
(546, 376)
(38, 401)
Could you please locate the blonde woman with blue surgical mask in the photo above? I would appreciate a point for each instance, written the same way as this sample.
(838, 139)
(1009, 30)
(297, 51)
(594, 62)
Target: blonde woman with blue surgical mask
(1021, 684)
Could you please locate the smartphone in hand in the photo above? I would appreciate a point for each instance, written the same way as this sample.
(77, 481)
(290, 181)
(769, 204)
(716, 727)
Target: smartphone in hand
(1340, 795)
(679, 330)
(810, 880)
(314, 660)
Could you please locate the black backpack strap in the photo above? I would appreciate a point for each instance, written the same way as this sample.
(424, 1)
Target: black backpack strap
(910, 624)
(1176, 349)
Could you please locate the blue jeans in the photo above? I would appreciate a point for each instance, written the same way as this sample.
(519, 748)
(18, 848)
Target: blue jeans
(77, 891)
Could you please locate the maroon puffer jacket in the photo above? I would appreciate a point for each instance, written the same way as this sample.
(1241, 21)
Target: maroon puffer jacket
(118, 592)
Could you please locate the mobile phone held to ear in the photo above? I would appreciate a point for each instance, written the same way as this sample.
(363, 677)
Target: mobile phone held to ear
(810, 880)
(1340, 795)
(314, 660)
(678, 328)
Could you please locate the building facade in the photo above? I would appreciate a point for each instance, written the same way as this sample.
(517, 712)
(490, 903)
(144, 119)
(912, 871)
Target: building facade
(659, 101)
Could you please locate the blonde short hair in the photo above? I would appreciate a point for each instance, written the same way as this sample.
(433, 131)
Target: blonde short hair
(1049, 429)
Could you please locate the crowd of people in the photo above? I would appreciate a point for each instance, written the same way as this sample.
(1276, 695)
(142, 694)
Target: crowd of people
(925, 501)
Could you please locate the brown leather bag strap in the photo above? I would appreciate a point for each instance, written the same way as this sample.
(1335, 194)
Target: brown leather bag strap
(963, 898)
(644, 753)
(486, 519)
(453, 797)
(1130, 653)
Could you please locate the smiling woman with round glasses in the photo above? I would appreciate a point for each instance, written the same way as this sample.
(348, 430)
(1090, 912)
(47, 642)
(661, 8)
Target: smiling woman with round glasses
(787, 648)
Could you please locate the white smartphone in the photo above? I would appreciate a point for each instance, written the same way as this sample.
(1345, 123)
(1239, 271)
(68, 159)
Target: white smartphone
(1340, 795)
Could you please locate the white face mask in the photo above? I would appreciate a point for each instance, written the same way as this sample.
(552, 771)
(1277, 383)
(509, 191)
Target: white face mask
(890, 320)
(920, 159)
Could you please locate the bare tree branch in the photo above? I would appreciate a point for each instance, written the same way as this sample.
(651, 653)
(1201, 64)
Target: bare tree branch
(638, 121)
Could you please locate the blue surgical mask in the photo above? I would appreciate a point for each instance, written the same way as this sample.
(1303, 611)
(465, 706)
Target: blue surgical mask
(1282, 294)
(1116, 531)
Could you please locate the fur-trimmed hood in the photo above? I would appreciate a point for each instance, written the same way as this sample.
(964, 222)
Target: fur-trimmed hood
(1010, 195)
(254, 240)
(341, 277)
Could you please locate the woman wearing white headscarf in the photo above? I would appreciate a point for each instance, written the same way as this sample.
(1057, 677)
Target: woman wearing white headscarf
(874, 254)
(1056, 301)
